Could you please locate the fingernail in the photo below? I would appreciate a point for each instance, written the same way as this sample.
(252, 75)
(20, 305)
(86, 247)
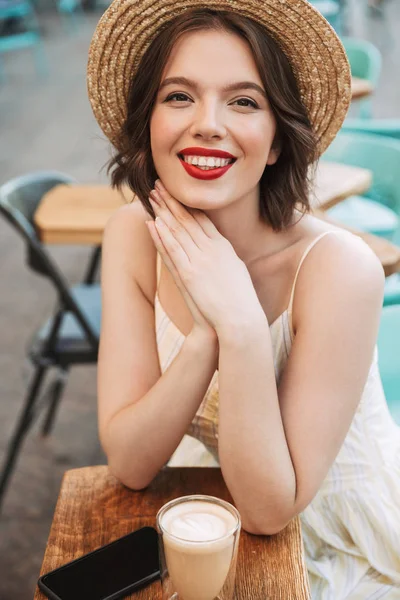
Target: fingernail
(159, 221)
(158, 184)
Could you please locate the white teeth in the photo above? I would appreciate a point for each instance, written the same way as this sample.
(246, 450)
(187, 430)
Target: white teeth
(210, 162)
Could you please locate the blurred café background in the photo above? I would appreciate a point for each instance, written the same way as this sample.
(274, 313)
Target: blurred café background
(54, 201)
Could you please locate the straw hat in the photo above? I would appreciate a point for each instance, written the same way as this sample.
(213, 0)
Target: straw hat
(315, 52)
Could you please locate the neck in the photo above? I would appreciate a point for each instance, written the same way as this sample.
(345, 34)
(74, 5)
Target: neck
(241, 224)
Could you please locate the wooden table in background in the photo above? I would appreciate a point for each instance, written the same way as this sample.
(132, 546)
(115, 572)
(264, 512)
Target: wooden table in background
(93, 509)
(360, 88)
(335, 181)
(77, 214)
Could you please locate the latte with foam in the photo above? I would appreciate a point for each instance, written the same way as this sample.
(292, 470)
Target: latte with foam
(199, 547)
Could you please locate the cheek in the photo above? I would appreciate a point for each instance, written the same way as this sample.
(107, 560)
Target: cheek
(163, 135)
(257, 139)
(165, 126)
(158, 131)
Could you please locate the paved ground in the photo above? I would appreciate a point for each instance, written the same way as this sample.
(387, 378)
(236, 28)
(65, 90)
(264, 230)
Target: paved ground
(48, 125)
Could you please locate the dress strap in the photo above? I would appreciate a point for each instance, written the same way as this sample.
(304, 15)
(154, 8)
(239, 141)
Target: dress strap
(307, 250)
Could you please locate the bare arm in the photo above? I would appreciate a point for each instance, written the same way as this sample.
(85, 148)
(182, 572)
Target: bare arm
(277, 445)
(143, 415)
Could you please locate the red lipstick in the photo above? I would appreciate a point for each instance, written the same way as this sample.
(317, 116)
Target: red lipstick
(209, 174)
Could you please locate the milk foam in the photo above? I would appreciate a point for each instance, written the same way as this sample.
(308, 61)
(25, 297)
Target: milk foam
(198, 527)
(198, 521)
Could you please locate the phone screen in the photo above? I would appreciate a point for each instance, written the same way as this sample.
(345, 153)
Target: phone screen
(108, 570)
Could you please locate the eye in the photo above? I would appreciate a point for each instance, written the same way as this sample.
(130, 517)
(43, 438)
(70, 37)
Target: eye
(182, 96)
(252, 103)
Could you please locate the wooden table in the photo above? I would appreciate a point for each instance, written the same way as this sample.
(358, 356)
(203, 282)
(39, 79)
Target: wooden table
(77, 214)
(70, 214)
(94, 509)
(335, 181)
(360, 88)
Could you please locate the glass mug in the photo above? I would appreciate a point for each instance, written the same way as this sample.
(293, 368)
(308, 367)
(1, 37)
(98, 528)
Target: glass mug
(198, 545)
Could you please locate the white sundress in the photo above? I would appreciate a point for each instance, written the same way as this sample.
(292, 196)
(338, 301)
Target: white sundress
(351, 529)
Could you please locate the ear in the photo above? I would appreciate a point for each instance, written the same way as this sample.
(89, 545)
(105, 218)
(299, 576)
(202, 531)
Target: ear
(274, 152)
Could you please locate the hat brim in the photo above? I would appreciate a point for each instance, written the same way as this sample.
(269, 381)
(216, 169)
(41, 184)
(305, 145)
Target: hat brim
(317, 56)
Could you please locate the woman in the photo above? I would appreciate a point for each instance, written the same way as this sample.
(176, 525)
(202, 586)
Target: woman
(235, 316)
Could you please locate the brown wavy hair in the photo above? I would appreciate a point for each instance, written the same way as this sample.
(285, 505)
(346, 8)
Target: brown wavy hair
(284, 185)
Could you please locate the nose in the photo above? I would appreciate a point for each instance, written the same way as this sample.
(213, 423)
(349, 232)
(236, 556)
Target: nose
(208, 121)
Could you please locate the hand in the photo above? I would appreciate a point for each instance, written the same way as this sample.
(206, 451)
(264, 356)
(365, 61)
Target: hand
(217, 281)
(200, 324)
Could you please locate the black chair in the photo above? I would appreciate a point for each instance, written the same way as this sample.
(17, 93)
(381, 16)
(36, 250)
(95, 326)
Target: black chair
(70, 336)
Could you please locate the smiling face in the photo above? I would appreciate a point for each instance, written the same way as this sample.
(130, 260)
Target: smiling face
(207, 109)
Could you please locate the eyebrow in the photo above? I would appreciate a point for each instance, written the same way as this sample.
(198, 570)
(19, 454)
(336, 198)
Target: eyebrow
(240, 85)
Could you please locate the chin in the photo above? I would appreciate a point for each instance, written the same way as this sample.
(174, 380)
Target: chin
(196, 193)
(203, 199)
(202, 202)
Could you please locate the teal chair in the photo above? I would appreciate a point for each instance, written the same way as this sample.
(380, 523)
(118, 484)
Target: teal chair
(366, 215)
(389, 357)
(386, 127)
(381, 155)
(389, 128)
(28, 37)
(331, 10)
(392, 290)
(365, 62)
(72, 14)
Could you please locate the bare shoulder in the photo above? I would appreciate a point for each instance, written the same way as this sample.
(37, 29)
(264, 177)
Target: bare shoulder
(125, 220)
(345, 255)
(340, 271)
(127, 242)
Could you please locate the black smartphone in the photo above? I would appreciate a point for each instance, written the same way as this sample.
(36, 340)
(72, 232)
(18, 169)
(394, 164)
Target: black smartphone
(112, 571)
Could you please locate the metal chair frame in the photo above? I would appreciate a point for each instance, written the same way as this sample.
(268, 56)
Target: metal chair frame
(45, 354)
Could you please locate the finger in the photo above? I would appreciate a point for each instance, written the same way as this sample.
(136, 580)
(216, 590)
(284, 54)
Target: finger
(182, 213)
(175, 226)
(206, 224)
(161, 248)
(166, 259)
(173, 247)
(188, 216)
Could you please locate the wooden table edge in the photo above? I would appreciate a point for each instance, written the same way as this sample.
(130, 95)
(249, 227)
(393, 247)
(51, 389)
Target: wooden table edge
(358, 190)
